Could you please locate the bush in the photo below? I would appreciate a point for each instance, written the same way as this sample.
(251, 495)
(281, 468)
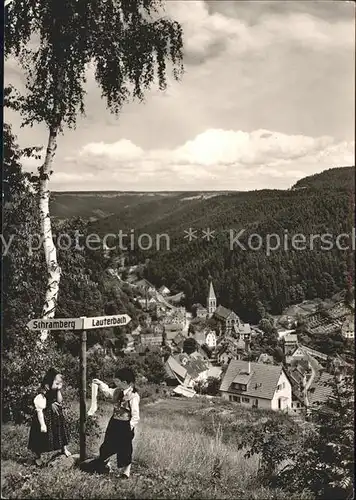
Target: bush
(23, 369)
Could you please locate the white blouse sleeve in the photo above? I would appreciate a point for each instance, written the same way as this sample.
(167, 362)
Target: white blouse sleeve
(40, 402)
(135, 411)
(105, 389)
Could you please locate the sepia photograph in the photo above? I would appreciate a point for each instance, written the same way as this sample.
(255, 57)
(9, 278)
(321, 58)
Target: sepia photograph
(178, 246)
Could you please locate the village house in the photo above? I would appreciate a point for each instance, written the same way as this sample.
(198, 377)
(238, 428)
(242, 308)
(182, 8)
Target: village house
(348, 328)
(302, 351)
(229, 321)
(290, 342)
(283, 333)
(163, 290)
(243, 330)
(224, 356)
(147, 303)
(130, 343)
(305, 367)
(176, 317)
(157, 327)
(188, 370)
(319, 391)
(171, 330)
(203, 351)
(147, 320)
(299, 373)
(178, 342)
(199, 336)
(207, 337)
(145, 286)
(227, 318)
(136, 331)
(151, 338)
(229, 348)
(201, 312)
(210, 339)
(287, 321)
(257, 385)
(299, 370)
(235, 347)
(265, 358)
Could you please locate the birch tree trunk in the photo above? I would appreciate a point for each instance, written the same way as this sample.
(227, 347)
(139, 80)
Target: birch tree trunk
(50, 251)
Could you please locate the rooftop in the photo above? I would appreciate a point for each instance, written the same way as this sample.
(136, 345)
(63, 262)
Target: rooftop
(144, 282)
(175, 367)
(319, 391)
(194, 366)
(291, 337)
(223, 312)
(265, 358)
(178, 338)
(245, 328)
(263, 379)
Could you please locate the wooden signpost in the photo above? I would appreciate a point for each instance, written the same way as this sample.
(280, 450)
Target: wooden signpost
(81, 324)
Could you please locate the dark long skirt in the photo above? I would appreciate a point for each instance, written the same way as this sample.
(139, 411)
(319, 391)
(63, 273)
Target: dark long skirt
(118, 439)
(56, 437)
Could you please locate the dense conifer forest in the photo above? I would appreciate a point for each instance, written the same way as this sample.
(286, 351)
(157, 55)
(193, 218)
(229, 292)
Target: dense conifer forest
(242, 278)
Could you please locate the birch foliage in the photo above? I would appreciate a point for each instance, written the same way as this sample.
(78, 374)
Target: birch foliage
(129, 45)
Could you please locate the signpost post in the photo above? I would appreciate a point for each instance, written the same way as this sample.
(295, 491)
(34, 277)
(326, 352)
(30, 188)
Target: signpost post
(83, 395)
(81, 324)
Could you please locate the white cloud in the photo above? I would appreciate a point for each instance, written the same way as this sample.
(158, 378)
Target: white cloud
(122, 150)
(212, 32)
(215, 159)
(249, 66)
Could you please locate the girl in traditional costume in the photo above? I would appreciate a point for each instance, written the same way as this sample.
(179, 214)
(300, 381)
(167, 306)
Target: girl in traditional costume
(49, 429)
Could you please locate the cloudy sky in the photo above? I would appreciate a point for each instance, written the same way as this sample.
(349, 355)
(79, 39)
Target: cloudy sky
(267, 97)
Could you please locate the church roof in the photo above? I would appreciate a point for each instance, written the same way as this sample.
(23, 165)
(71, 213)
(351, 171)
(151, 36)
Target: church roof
(223, 312)
(211, 292)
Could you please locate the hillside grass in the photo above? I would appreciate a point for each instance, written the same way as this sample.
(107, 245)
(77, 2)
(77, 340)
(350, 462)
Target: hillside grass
(182, 449)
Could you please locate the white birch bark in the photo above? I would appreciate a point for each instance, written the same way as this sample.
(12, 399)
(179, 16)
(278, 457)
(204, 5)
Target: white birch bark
(50, 251)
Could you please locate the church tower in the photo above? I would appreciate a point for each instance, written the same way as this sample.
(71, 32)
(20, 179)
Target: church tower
(211, 302)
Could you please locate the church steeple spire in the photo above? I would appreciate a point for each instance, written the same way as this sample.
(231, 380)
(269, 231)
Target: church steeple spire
(211, 292)
(211, 302)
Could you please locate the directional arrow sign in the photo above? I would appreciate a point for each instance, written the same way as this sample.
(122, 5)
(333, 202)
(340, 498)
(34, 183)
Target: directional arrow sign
(106, 321)
(56, 324)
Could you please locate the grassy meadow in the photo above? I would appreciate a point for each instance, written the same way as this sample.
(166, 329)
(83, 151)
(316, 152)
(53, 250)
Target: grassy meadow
(182, 449)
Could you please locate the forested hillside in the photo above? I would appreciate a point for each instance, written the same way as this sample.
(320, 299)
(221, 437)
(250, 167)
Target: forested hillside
(97, 205)
(242, 278)
(245, 278)
(341, 177)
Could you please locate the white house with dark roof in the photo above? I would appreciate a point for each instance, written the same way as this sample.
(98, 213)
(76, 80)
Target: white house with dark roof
(290, 341)
(227, 318)
(257, 385)
(188, 369)
(348, 327)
